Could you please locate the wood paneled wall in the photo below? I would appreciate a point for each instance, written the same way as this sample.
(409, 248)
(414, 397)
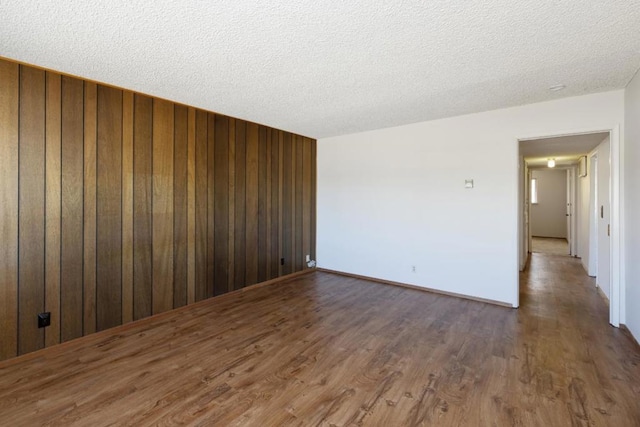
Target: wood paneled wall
(115, 205)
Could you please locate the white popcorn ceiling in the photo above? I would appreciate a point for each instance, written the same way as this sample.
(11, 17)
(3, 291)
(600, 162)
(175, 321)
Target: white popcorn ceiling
(326, 68)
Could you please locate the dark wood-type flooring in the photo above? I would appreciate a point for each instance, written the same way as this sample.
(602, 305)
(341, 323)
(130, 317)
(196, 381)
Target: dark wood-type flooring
(323, 349)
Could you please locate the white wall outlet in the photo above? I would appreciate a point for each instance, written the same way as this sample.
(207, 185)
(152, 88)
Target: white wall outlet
(468, 183)
(413, 268)
(308, 258)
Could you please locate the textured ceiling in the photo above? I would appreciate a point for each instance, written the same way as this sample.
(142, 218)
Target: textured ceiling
(566, 150)
(325, 68)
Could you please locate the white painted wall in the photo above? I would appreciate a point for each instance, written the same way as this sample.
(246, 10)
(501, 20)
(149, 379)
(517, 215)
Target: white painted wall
(523, 211)
(631, 242)
(583, 187)
(392, 198)
(593, 214)
(548, 216)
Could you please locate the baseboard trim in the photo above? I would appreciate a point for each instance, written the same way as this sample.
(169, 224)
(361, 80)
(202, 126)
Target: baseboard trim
(416, 288)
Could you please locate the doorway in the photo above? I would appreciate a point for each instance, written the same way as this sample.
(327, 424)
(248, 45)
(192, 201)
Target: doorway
(590, 163)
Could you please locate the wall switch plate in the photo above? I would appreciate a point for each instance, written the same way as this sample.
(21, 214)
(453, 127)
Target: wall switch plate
(468, 183)
(44, 319)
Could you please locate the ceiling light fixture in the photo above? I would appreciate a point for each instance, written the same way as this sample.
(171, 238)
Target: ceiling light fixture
(551, 163)
(557, 88)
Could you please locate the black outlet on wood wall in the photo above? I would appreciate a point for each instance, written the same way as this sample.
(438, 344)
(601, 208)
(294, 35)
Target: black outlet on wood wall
(44, 319)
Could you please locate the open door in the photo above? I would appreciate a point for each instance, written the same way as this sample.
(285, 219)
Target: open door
(603, 278)
(570, 212)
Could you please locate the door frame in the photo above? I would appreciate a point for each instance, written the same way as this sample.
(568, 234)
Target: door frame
(616, 255)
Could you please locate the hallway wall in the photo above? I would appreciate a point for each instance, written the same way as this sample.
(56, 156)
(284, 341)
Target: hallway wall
(548, 216)
(632, 204)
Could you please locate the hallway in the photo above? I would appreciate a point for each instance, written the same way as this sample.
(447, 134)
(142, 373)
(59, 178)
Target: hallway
(549, 245)
(573, 355)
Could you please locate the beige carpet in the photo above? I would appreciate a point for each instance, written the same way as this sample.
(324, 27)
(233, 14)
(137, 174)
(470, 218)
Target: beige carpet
(548, 245)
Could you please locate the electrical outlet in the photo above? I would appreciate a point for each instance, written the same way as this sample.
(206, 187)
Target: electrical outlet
(44, 319)
(281, 261)
(413, 268)
(308, 258)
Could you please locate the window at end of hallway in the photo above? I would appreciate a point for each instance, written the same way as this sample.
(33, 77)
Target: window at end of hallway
(534, 191)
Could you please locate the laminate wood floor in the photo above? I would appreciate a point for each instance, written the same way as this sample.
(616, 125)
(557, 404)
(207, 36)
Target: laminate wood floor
(550, 245)
(323, 349)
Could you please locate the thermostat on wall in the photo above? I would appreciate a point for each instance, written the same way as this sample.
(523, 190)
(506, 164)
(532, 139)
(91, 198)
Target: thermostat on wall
(468, 183)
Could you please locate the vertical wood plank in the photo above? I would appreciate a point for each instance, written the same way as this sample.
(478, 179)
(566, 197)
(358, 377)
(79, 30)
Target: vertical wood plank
(211, 230)
(53, 206)
(262, 204)
(142, 206)
(275, 203)
(306, 200)
(32, 204)
(252, 205)
(221, 204)
(240, 205)
(201, 206)
(287, 205)
(232, 204)
(127, 206)
(180, 206)
(269, 207)
(89, 240)
(9, 165)
(163, 123)
(71, 289)
(281, 249)
(109, 209)
(191, 209)
(313, 197)
(297, 233)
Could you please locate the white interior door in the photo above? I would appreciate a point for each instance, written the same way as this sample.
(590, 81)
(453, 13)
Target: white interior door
(568, 213)
(603, 219)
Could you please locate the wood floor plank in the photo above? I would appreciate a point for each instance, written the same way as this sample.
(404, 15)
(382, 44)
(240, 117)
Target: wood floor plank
(324, 349)
(71, 290)
(31, 267)
(9, 167)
